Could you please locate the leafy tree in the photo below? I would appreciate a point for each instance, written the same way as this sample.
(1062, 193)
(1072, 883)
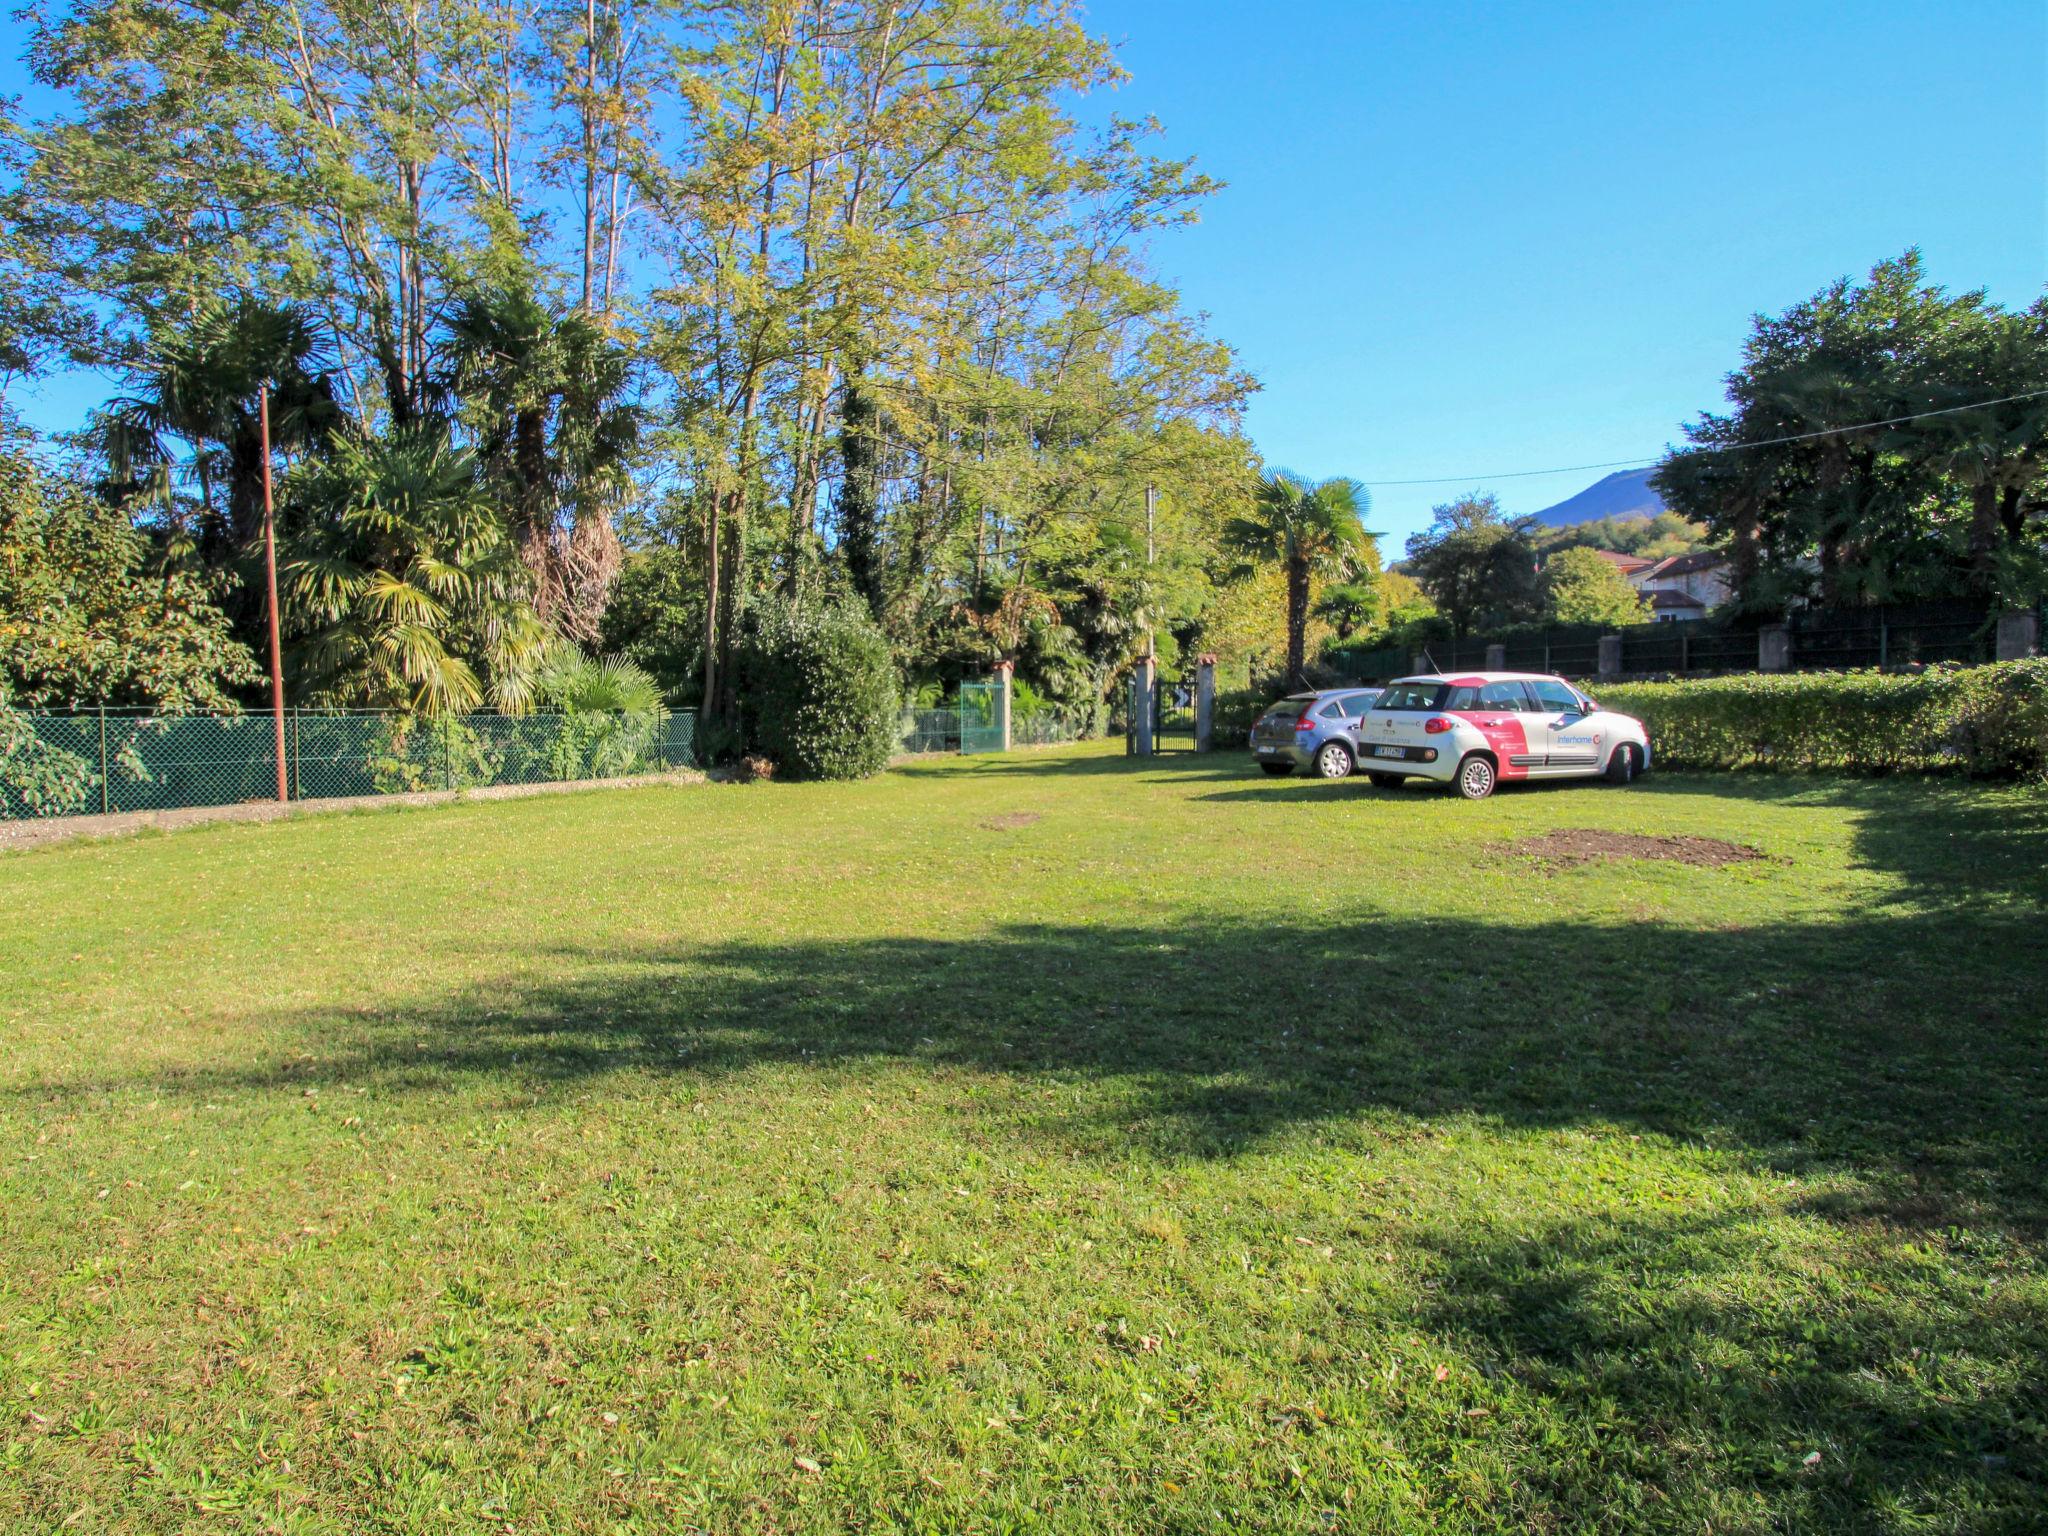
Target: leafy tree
(1817, 480)
(85, 619)
(1580, 587)
(1652, 538)
(1308, 530)
(1475, 564)
(402, 587)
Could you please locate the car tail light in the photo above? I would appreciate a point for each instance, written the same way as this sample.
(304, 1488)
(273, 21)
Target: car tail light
(1436, 725)
(1305, 723)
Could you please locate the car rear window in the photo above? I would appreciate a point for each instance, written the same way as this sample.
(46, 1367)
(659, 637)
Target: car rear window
(1409, 696)
(1289, 706)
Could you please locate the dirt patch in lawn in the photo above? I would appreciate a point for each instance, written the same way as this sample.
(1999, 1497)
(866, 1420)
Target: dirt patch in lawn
(1570, 847)
(1009, 821)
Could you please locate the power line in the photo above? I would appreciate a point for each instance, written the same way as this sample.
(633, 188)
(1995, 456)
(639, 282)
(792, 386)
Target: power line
(1768, 442)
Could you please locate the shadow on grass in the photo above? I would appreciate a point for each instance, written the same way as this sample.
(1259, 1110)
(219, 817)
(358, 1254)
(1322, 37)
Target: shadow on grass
(1898, 1045)
(1894, 1407)
(1905, 1048)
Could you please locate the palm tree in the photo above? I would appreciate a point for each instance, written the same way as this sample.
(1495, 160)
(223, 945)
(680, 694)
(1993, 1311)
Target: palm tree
(197, 385)
(544, 394)
(401, 583)
(1311, 530)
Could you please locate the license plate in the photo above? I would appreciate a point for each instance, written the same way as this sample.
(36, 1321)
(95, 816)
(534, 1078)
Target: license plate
(1389, 751)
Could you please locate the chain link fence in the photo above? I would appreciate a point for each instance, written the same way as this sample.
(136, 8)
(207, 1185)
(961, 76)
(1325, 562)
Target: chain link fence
(139, 762)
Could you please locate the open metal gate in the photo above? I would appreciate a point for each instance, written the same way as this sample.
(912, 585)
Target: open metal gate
(1173, 715)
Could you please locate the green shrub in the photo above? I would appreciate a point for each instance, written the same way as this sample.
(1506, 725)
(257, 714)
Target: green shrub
(819, 688)
(1990, 721)
(1230, 727)
(409, 753)
(36, 778)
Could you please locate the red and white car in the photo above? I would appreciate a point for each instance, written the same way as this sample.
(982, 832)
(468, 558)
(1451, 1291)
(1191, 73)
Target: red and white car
(1480, 729)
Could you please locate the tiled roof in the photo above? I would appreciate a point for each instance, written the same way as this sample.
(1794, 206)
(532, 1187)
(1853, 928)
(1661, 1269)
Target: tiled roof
(1628, 565)
(1684, 565)
(1665, 598)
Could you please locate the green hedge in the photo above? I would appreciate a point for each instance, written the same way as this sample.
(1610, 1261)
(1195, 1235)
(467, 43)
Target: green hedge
(818, 688)
(1988, 721)
(1237, 711)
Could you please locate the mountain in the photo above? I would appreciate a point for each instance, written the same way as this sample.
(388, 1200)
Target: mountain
(1625, 493)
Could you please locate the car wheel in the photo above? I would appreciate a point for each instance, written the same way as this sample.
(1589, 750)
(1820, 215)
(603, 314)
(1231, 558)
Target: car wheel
(1475, 778)
(1621, 768)
(1278, 770)
(1333, 760)
(1384, 780)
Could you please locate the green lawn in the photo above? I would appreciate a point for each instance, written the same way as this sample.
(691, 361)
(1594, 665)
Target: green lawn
(1206, 1154)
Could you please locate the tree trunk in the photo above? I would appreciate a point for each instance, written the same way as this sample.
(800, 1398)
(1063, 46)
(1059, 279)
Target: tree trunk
(1984, 530)
(860, 531)
(1297, 623)
(709, 704)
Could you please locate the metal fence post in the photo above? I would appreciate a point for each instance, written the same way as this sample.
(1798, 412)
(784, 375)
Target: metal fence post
(105, 804)
(447, 752)
(297, 753)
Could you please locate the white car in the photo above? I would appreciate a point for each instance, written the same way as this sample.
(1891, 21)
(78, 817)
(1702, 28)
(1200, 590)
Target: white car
(1479, 729)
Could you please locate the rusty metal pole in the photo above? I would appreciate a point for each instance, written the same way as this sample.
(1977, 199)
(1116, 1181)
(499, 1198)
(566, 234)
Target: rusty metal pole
(270, 574)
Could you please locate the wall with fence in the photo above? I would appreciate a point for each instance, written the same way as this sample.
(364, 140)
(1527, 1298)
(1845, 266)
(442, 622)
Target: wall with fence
(141, 762)
(1814, 639)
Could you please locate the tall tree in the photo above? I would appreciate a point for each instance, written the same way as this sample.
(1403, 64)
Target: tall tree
(543, 395)
(1308, 529)
(1581, 587)
(1830, 474)
(1476, 563)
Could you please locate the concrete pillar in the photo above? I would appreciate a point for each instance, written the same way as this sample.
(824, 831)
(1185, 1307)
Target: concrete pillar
(1419, 663)
(2019, 635)
(1005, 670)
(1141, 707)
(1496, 658)
(1774, 648)
(1205, 701)
(1610, 655)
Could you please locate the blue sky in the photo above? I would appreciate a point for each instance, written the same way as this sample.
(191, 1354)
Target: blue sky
(1469, 238)
(1465, 239)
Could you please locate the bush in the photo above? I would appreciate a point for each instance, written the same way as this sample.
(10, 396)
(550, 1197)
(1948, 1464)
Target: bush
(1989, 721)
(818, 688)
(1230, 727)
(36, 778)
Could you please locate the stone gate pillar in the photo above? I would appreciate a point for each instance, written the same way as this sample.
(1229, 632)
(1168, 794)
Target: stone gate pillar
(1610, 655)
(1774, 648)
(1005, 670)
(1205, 700)
(1142, 678)
(2019, 635)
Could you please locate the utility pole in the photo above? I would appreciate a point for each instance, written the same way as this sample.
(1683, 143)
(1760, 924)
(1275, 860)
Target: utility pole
(1151, 509)
(270, 574)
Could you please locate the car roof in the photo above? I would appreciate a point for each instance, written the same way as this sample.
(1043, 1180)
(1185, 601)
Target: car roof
(1474, 679)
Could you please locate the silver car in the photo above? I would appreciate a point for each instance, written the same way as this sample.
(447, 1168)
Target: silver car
(1312, 730)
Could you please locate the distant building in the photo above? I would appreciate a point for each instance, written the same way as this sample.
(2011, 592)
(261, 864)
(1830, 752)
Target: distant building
(1628, 565)
(1677, 586)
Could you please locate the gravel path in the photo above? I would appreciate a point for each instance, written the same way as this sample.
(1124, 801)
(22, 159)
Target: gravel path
(59, 829)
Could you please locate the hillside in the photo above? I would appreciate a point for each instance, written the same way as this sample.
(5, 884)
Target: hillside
(1625, 493)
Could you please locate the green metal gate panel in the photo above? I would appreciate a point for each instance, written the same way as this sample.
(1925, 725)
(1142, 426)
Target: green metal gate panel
(981, 727)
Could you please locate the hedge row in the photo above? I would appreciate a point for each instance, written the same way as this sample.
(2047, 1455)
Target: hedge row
(1988, 721)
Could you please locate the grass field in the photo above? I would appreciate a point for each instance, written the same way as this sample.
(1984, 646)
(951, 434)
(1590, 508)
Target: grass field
(1044, 1142)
